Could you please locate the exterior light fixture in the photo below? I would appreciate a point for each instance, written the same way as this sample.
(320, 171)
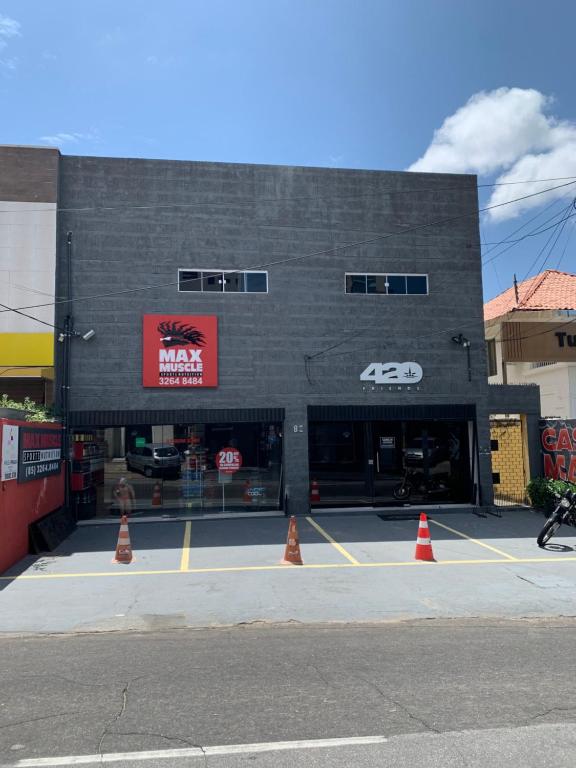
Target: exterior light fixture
(462, 341)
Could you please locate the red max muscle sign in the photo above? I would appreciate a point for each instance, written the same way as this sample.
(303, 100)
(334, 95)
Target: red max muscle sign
(558, 443)
(180, 351)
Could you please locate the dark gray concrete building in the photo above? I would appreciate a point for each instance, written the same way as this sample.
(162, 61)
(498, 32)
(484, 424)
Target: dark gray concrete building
(271, 338)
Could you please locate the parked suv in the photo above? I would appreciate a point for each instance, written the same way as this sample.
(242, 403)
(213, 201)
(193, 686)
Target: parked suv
(154, 459)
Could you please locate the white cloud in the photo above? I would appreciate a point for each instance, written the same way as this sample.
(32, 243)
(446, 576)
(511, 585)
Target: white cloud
(58, 139)
(8, 28)
(333, 160)
(161, 61)
(559, 163)
(505, 131)
(9, 64)
(111, 37)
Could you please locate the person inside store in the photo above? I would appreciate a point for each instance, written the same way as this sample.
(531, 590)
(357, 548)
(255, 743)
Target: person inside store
(124, 496)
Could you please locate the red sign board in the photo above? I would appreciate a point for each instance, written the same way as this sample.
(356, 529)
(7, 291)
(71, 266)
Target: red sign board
(180, 351)
(229, 460)
(39, 453)
(558, 439)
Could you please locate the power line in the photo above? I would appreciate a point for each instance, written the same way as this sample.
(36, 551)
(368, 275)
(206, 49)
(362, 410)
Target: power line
(529, 221)
(550, 238)
(336, 248)
(235, 201)
(512, 243)
(554, 244)
(499, 340)
(30, 317)
(525, 237)
(483, 245)
(290, 259)
(570, 233)
(525, 181)
(379, 345)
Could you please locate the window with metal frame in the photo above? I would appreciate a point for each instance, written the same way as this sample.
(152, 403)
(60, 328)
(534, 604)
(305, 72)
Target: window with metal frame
(388, 284)
(222, 281)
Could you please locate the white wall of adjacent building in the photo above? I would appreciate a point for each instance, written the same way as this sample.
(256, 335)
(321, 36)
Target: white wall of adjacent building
(27, 264)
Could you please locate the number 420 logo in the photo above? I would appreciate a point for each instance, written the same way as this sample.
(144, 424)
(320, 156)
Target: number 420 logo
(392, 373)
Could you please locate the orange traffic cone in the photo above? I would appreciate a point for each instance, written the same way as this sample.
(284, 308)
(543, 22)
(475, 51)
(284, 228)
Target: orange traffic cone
(423, 545)
(124, 547)
(292, 554)
(157, 495)
(314, 492)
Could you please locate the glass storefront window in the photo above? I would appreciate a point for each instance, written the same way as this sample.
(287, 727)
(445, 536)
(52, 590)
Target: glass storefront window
(175, 470)
(390, 463)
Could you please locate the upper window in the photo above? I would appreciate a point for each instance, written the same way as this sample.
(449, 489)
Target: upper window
(387, 284)
(223, 281)
(492, 358)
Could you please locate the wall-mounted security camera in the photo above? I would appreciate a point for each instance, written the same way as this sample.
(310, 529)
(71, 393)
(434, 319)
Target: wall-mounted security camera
(88, 335)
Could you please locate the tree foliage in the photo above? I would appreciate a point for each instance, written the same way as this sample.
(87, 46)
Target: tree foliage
(541, 492)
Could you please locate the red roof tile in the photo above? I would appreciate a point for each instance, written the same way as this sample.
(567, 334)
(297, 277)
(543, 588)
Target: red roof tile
(548, 290)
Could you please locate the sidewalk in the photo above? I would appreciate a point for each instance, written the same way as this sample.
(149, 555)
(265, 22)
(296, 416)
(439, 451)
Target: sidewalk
(356, 568)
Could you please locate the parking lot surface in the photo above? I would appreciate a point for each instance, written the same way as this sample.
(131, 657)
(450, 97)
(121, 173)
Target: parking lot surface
(356, 568)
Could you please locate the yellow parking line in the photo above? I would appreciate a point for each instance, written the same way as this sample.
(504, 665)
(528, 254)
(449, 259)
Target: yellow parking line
(185, 560)
(474, 541)
(284, 569)
(335, 544)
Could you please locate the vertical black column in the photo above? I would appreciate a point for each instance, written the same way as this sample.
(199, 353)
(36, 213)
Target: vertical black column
(369, 459)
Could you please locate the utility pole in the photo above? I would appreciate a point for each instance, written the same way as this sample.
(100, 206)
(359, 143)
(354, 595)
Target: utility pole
(65, 394)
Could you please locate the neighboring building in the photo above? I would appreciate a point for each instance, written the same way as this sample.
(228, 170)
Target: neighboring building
(28, 196)
(264, 338)
(531, 339)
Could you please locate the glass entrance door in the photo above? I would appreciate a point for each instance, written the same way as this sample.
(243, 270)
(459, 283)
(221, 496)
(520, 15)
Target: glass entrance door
(389, 463)
(387, 441)
(421, 462)
(339, 457)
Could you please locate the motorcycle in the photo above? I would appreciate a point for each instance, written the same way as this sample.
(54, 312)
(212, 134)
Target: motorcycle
(417, 481)
(564, 512)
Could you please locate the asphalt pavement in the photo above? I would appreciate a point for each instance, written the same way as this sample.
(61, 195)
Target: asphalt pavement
(424, 693)
(206, 650)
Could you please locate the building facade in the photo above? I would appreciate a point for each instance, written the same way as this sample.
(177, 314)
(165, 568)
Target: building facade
(271, 338)
(531, 338)
(28, 197)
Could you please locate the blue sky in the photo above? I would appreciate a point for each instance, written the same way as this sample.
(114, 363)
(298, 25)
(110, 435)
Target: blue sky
(354, 84)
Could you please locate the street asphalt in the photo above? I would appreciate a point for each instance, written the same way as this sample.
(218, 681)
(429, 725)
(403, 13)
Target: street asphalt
(445, 693)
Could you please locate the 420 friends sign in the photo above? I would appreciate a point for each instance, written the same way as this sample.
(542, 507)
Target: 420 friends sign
(180, 351)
